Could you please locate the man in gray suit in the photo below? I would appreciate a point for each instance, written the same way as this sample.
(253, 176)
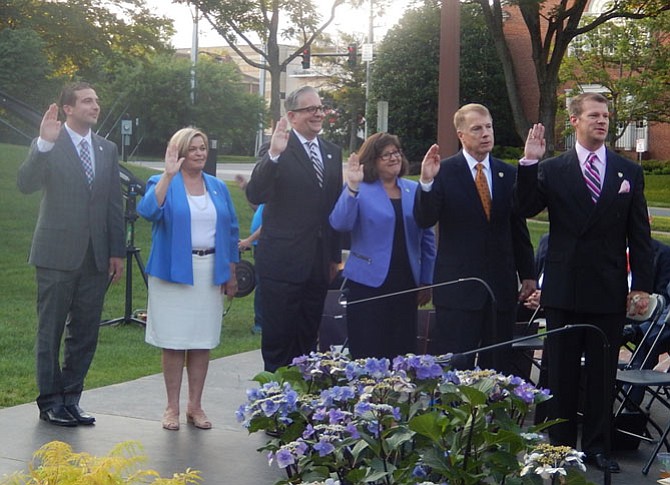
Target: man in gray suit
(78, 244)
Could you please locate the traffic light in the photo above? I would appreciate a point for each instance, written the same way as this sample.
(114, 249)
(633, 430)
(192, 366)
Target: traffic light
(352, 54)
(305, 58)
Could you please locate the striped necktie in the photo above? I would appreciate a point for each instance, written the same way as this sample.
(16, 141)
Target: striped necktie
(592, 177)
(87, 163)
(316, 161)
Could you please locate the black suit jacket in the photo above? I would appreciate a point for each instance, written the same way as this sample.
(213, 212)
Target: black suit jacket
(585, 268)
(296, 210)
(499, 251)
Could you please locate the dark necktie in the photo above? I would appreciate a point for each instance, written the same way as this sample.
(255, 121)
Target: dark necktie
(85, 155)
(316, 161)
(483, 190)
(592, 177)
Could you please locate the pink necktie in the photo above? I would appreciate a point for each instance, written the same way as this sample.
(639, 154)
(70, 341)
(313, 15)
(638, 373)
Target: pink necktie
(592, 177)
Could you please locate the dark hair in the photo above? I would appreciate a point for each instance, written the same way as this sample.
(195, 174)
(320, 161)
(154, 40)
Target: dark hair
(371, 150)
(576, 104)
(68, 96)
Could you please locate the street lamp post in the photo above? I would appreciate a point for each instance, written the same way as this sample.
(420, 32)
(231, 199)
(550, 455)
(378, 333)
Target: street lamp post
(368, 68)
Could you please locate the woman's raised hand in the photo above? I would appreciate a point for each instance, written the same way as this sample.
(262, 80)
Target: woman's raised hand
(172, 160)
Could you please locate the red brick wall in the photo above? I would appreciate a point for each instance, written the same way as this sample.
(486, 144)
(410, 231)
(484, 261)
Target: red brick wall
(519, 44)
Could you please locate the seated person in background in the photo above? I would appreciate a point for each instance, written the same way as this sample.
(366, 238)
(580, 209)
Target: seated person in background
(635, 332)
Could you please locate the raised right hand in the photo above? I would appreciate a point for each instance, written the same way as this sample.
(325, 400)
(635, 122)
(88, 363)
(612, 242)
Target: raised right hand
(354, 172)
(280, 137)
(430, 165)
(50, 126)
(172, 162)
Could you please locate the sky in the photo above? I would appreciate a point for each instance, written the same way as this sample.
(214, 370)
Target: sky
(346, 20)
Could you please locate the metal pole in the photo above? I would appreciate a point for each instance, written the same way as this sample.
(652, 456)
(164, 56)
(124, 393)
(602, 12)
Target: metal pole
(368, 69)
(194, 52)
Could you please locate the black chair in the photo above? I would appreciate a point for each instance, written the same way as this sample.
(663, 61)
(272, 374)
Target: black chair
(655, 383)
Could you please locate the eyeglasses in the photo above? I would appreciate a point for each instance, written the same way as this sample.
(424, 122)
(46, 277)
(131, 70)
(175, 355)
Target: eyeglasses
(387, 156)
(312, 109)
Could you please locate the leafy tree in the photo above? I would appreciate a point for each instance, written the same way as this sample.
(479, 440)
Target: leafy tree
(551, 27)
(90, 39)
(158, 93)
(343, 92)
(630, 59)
(244, 20)
(406, 74)
(22, 58)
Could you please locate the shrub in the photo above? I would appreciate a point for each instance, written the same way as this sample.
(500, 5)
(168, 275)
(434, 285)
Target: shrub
(55, 463)
(367, 422)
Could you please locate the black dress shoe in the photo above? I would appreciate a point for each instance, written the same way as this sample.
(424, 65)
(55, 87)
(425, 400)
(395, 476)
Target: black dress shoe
(79, 414)
(58, 416)
(601, 462)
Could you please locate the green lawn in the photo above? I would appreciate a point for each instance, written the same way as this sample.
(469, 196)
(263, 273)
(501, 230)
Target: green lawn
(122, 354)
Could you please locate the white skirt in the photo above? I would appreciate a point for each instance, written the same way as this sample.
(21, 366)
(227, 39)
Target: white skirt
(182, 317)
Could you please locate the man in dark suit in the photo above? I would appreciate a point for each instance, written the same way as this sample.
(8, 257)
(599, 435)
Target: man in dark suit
(470, 195)
(596, 206)
(298, 178)
(77, 246)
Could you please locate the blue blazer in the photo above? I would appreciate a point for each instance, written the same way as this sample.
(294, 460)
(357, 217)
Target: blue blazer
(371, 219)
(171, 250)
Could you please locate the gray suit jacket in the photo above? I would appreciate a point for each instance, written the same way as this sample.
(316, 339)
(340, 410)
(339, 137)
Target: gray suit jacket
(72, 214)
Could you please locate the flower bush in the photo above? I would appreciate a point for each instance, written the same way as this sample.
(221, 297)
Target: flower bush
(415, 421)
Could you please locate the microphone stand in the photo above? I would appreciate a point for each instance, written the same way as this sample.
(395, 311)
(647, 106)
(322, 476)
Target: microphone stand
(606, 374)
(342, 300)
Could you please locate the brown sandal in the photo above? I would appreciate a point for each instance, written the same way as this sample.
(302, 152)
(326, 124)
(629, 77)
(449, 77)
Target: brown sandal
(199, 419)
(170, 420)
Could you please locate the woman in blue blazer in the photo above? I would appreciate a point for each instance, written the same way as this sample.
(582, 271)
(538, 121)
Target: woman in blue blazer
(191, 265)
(389, 252)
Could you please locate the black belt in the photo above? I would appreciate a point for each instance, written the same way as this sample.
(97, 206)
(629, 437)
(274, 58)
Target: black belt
(203, 252)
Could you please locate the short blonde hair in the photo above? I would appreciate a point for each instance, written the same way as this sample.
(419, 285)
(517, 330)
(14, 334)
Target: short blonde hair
(184, 137)
(459, 116)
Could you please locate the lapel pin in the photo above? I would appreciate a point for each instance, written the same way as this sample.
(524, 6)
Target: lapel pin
(501, 175)
(620, 174)
(99, 148)
(329, 156)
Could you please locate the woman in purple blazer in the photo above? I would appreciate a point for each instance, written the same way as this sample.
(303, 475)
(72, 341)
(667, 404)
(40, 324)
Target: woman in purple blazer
(389, 252)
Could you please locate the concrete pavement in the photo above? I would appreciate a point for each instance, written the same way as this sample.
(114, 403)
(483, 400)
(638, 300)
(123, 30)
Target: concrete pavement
(225, 454)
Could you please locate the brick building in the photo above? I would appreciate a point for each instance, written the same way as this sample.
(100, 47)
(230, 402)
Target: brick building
(654, 136)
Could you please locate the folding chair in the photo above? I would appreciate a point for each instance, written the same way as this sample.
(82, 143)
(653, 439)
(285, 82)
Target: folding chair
(654, 311)
(654, 383)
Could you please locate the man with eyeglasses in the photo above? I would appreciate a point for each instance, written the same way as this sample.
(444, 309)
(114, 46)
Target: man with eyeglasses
(299, 178)
(481, 236)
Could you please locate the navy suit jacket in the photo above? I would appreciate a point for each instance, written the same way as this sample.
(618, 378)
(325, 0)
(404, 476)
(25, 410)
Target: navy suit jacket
(296, 210)
(585, 268)
(499, 251)
(371, 219)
